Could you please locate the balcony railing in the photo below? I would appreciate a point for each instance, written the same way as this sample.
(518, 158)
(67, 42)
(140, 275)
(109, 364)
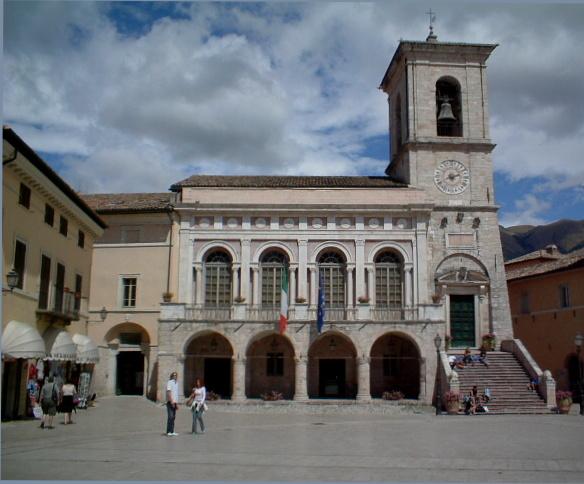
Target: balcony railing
(263, 314)
(60, 303)
(333, 314)
(209, 313)
(394, 314)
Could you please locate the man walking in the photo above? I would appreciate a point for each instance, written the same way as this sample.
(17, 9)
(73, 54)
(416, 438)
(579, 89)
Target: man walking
(171, 403)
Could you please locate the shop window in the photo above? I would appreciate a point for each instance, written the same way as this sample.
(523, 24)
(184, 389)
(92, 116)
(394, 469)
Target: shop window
(275, 364)
(20, 262)
(24, 196)
(63, 226)
(49, 215)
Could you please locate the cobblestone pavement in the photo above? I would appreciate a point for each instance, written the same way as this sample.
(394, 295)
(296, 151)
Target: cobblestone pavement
(122, 439)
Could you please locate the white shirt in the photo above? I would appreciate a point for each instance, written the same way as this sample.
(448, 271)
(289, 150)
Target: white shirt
(200, 394)
(172, 387)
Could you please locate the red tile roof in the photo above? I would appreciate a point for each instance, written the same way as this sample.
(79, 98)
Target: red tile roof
(128, 202)
(539, 264)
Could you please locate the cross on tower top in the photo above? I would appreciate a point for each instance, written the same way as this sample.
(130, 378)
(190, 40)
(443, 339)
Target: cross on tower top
(431, 36)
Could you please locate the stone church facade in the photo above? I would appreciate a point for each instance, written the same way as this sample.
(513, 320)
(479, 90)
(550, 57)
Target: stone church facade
(400, 258)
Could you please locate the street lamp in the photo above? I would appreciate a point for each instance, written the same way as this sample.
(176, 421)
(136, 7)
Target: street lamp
(578, 342)
(438, 344)
(12, 281)
(103, 314)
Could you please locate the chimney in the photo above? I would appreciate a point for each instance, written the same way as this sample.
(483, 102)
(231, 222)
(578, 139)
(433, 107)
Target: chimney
(552, 249)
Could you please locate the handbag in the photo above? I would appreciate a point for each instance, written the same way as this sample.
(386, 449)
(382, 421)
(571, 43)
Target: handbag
(37, 412)
(190, 401)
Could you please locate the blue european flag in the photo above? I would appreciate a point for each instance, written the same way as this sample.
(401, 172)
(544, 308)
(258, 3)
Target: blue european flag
(320, 311)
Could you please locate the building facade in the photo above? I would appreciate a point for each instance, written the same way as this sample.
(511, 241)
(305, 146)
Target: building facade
(48, 234)
(398, 258)
(546, 293)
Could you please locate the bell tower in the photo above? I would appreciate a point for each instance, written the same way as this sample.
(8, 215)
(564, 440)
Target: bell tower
(439, 122)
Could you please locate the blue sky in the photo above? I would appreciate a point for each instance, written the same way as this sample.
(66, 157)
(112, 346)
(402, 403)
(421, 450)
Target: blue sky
(133, 96)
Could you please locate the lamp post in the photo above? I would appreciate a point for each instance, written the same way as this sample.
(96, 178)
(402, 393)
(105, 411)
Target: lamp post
(578, 341)
(12, 281)
(438, 344)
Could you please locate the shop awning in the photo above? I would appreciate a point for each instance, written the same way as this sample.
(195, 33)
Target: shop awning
(22, 340)
(60, 345)
(87, 351)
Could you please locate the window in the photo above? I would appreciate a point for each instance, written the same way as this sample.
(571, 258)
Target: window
(20, 262)
(565, 296)
(218, 280)
(63, 226)
(81, 239)
(448, 108)
(24, 196)
(272, 265)
(388, 280)
(130, 338)
(129, 292)
(331, 267)
(45, 282)
(524, 303)
(78, 289)
(275, 364)
(130, 235)
(59, 288)
(49, 215)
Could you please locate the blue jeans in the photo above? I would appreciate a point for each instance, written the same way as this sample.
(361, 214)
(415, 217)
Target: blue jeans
(198, 416)
(171, 414)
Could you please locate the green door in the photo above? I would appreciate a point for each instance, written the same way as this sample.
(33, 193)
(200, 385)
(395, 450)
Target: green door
(462, 320)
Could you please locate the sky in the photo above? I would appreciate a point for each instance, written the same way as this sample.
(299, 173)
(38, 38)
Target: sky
(134, 96)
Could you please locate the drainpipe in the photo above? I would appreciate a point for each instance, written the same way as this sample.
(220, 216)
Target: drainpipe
(169, 209)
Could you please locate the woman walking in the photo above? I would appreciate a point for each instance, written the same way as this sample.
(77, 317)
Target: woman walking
(197, 397)
(68, 391)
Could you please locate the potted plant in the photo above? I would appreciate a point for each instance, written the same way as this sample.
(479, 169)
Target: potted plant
(447, 342)
(363, 299)
(167, 296)
(211, 395)
(564, 401)
(272, 396)
(300, 300)
(452, 400)
(239, 299)
(392, 395)
(489, 341)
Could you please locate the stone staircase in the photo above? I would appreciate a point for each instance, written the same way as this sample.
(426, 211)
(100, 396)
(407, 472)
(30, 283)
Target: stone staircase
(508, 381)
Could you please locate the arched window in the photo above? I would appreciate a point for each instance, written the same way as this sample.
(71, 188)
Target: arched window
(448, 108)
(331, 267)
(388, 280)
(272, 265)
(218, 279)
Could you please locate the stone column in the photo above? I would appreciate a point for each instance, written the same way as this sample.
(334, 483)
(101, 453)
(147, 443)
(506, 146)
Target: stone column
(238, 379)
(408, 285)
(256, 285)
(371, 284)
(363, 375)
(235, 281)
(350, 286)
(199, 285)
(300, 384)
(313, 287)
(245, 262)
(185, 280)
(292, 285)
(360, 267)
(302, 265)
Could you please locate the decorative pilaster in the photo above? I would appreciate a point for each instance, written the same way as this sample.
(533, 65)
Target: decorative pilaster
(371, 284)
(235, 281)
(300, 384)
(363, 375)
(360, 267)
(292, 285)
(313, 287)
(238, 379)
(245, 261)
(350, 288)
(185, 282)
(302, 264)
(408, 267)
(199, 285)
(255, 270)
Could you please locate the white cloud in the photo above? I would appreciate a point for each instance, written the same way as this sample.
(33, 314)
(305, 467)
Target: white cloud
(528, 210)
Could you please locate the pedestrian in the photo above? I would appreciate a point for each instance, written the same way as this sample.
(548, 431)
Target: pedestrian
(483, 357)
(467, 358)
(171, 403)
(68, 393)
(198, 405)
(49, 399)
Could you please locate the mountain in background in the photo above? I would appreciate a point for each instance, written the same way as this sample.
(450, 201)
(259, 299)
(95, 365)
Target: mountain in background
(568, 235)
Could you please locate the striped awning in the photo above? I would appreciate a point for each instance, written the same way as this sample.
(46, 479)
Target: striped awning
(22, 340)
(87, 351)
(60, 345)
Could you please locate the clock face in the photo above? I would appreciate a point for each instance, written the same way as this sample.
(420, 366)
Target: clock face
(451, 177)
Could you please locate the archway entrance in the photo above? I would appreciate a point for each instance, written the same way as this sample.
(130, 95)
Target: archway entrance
(332, 370)
(395, 366)
(209, 357)
(130, 373)
(270, 367)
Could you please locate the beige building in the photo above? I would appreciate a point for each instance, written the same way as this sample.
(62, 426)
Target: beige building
(398, 259)
(546, 293)
(48, 235)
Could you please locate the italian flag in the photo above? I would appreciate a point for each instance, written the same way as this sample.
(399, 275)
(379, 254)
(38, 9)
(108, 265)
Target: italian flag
(284, 302)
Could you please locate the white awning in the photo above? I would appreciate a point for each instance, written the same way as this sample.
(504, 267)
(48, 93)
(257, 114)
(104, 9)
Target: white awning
(87, 351)
(22, 340)
(60, 345)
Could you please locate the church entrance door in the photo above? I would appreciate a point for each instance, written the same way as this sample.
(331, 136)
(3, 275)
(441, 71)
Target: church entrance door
(462, 320)
(331, 378)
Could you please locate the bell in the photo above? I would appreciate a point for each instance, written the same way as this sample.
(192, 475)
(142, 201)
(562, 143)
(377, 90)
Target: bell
(446, 112)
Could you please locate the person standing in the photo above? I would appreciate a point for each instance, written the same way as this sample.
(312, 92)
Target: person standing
(171, 403)
(198, 396)
(68, 391)
(49, 399)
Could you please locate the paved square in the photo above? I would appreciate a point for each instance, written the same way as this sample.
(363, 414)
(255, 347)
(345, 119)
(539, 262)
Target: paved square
(122, 439)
